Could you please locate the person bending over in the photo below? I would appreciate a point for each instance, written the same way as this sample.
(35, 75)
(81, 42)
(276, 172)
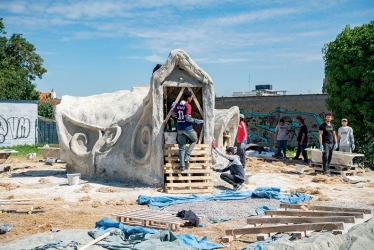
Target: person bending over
(236, 176)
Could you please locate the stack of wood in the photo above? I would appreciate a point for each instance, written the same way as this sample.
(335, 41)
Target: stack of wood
(196, 176)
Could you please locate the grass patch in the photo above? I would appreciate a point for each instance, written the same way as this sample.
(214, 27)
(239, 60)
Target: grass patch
(25, 149)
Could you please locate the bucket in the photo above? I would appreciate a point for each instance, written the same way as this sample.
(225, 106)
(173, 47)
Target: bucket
(170, 137)
(73, 179)
(300, 168)
(247, 176)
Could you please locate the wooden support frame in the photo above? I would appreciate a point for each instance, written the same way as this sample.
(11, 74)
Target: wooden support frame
(313, 213)
(326, 208)
(286, 228)
(272, 220)
(176, 100)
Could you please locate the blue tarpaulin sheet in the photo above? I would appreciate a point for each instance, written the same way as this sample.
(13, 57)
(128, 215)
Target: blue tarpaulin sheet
(158, 202)
(106, 223)
(191, 240)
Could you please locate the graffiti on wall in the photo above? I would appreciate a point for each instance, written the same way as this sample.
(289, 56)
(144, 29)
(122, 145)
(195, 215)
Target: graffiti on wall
(16, 127)
(261, 126)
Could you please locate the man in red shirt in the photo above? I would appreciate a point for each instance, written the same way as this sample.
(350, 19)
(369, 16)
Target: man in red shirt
(241, 140)
(183, 111)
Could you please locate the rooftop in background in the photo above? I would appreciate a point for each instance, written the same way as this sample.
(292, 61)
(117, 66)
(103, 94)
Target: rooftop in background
(49, 97)
(261, 90)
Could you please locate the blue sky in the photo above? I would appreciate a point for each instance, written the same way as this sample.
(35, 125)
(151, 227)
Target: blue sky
(94, 47)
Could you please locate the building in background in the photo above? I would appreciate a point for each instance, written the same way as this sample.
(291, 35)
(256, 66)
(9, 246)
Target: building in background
(260, 90)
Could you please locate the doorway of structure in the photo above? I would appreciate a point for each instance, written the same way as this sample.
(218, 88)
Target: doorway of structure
(175, 94)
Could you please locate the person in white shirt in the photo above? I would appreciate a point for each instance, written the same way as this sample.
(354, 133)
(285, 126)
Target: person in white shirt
(346, 140)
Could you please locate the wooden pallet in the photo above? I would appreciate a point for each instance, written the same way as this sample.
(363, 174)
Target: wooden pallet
(339, 169)
(301, 220)
(151, 219)
(196, 176)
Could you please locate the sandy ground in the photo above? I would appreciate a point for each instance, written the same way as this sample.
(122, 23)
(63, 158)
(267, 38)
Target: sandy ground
(80, 206)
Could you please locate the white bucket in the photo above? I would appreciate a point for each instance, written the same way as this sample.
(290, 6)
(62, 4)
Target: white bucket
(247, 176)
(300, 168)
(73, 179)
(170, 137)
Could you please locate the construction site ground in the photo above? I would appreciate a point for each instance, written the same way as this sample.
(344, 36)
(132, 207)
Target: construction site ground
(80, 206)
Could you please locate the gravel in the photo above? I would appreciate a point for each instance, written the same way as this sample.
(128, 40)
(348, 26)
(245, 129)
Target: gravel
(234, 209)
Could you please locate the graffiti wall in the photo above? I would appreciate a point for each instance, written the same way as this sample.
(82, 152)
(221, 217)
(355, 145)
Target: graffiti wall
(17, 122)
(262, 114)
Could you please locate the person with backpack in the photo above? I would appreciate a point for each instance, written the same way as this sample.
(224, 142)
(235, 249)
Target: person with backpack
(182, 111)
(236, 176)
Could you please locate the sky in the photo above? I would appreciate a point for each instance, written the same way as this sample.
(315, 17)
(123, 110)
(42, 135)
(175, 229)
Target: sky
(94, 47)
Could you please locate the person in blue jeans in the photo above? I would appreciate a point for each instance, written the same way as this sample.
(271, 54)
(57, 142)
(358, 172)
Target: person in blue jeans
(183, 111)
(302, 140)
(281, 136)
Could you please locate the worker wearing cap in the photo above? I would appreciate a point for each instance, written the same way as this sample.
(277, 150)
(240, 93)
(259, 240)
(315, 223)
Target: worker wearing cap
(236, 176)
(241, 140)
(346, 141)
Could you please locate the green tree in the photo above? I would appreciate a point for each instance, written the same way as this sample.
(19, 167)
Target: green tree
(349, 68)
(19, 67)
(46, 109)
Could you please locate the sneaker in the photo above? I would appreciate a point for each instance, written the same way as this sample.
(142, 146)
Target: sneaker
(306, 161)
(181, 168)
(237, 187)
(328, 174)
(188, 158)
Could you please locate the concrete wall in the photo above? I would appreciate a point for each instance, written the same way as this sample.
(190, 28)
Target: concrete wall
(17, 122)
(262, 114)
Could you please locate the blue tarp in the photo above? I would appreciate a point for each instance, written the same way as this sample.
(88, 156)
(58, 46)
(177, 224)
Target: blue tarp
(106, 223)
(191, 240)
(158, 202)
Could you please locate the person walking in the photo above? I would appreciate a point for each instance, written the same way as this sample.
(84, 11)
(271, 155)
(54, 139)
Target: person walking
(241, 139)
(302, 140)
(281, 136)
(346, 140)
(236, 176)
(327, 142)
(183, 111)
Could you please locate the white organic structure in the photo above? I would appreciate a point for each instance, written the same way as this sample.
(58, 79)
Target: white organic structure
(120, 135)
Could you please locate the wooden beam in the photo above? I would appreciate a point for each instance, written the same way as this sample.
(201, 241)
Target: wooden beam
(272, 220)
(196, 102)
(171, 110)
(286, 228)
(313, 213)
(327, 208)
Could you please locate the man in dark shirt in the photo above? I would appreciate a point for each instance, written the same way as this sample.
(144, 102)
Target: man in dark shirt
(302, 140)
(327, 142)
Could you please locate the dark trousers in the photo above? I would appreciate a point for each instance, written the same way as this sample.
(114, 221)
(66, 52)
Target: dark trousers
(301, 149)
(326, 156)
(232, 179)
(241, 152)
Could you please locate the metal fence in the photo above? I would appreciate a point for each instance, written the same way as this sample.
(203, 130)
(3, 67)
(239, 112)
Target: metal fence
(47, 131)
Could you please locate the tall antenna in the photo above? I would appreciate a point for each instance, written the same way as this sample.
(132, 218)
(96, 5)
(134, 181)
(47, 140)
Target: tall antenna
(249, 82)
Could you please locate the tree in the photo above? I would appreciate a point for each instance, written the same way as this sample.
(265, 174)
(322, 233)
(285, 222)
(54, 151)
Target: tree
(46, 109)
(19, 67)
(349, 68)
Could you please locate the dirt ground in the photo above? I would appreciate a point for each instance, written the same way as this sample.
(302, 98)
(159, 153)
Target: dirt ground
(80, 206)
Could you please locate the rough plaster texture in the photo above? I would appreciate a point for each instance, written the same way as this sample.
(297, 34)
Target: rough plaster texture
(18, 122)
(120, 135)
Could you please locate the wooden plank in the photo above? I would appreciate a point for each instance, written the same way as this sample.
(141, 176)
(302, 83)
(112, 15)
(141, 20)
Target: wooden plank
(196, 158)
(176, 147)
(327, 208)
(287, 228)
(176, 178)
(192, 184)
(189, 191)
(176, 100)
(190, 171)
(193, 164)
(194, 152)
(313, 213)
(196, 102)
(272, 220)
